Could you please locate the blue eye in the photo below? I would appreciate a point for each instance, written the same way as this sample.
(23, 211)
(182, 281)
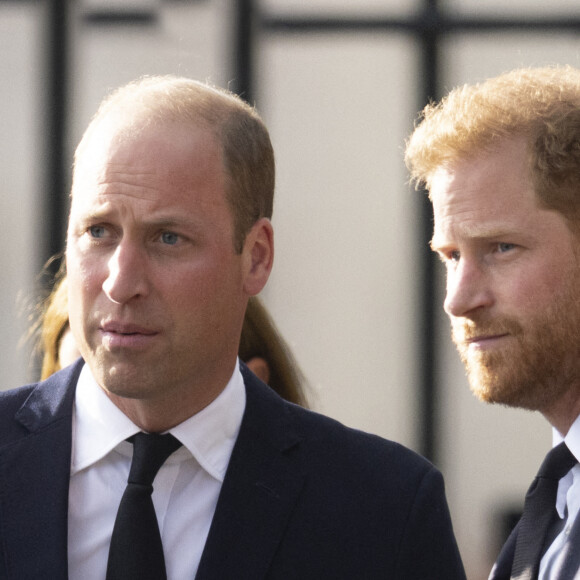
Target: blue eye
(505, 247)
(97, 231)
(169, 238)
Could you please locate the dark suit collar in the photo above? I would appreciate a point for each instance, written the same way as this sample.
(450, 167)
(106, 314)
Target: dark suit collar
(266, 411)
(503, 566)
(261, 486)
(260, 489)
(51, 400)
(34, 478)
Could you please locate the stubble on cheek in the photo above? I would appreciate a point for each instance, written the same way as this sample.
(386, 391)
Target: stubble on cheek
(536, 366)
(485, 373)
(484, 366)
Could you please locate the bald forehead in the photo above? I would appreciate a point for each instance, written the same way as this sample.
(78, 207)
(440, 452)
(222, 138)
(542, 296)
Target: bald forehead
(114, 135)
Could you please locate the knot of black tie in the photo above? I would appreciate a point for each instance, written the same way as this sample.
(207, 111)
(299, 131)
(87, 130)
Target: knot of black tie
(150, 451)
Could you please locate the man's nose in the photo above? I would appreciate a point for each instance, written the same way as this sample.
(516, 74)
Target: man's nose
(127, 273)
(468, 289)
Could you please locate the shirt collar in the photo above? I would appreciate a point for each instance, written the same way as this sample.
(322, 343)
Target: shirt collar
(572, 440)
(99, 426)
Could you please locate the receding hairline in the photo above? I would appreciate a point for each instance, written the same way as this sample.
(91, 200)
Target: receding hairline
(158, 100)
(240, 134)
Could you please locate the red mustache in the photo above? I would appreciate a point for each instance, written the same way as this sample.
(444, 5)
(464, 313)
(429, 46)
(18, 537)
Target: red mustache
(467, 331)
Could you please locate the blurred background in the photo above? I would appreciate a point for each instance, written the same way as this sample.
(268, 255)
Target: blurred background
(355, 290)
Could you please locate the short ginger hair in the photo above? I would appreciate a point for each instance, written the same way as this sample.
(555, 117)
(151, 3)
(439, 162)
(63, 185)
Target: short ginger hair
(542, 105)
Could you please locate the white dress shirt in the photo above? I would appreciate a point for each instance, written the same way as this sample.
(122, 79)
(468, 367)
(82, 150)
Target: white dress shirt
(567, 501)
(186, 489)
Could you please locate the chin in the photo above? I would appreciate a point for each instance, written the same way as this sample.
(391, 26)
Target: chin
(507, 394)
(122, 382)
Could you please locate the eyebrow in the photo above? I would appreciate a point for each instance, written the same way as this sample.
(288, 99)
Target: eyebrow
(480, 233)
(160, 222)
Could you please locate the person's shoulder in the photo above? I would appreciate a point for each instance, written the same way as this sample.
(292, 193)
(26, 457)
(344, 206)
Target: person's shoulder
(13, 398)
(327, 442)
(11, 401)
(332, 437)
(31, 404)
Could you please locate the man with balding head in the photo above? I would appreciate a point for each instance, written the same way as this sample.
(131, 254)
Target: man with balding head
(158, 454)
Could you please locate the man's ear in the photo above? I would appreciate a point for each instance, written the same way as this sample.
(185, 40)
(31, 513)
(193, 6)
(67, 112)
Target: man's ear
(258, 255)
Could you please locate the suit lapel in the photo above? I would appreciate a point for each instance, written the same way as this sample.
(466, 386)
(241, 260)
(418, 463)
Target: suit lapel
(260, 489)
(502, 568)
(34, 480)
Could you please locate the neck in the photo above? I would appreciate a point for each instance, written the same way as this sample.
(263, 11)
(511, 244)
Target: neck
(160, 415)
(563, 412)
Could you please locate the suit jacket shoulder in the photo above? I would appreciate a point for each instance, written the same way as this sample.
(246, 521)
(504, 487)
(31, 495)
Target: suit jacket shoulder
(305, 497)
(35, 451)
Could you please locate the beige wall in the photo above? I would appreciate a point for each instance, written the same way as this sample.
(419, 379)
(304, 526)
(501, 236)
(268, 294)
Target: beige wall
(20, 180)
(343, 291)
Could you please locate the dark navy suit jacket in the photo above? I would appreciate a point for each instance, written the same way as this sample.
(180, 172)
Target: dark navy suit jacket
(303, 498)
(502, 568)
(568, 566)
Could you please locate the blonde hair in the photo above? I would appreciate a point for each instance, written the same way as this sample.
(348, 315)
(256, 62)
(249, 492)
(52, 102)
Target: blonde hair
(261, 338)
(542, 105)
(52, 325)
(247, 151)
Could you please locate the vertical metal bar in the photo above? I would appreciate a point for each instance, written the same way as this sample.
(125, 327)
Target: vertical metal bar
(428, 35)
(54, 209)
(429, 389)
(244, 37)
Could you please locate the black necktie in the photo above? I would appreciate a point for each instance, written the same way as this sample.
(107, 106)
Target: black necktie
(539, 510)
(136, 551)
